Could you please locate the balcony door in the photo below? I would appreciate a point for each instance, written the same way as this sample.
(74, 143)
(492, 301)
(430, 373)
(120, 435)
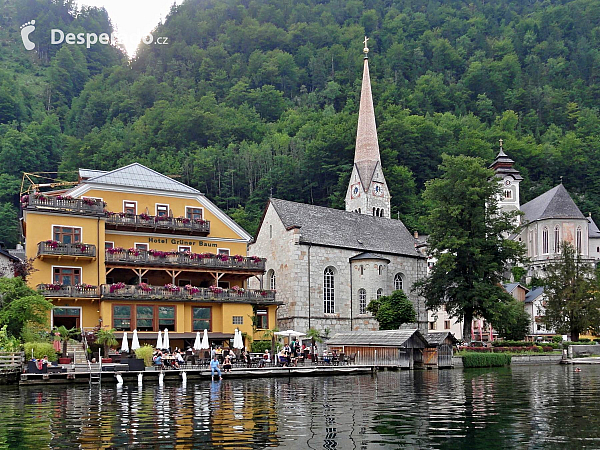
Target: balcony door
(67, 235)
(66, 276)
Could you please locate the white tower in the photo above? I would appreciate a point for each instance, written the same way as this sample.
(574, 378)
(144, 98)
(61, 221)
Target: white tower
(367, 192)
(509, 179)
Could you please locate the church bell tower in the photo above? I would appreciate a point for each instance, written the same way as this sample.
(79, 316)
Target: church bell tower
(367, 192)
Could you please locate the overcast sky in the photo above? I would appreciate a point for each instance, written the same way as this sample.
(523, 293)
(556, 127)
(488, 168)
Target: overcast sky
(133, 18)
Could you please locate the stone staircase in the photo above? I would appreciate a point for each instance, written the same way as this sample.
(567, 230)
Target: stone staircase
(76, 348)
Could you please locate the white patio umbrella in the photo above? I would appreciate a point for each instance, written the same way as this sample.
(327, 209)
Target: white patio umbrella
(289, 333)
(238, 341)
(135, 343)
(166, 343)
(159, 340)
(197, 341)
(125, 344)
(205, 345)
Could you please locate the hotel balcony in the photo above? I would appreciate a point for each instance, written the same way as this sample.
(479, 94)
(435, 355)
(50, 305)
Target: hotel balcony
(121, 291)
(59, 250)
(63, 204)
(157, 224)
(183, 260)
(76, 291)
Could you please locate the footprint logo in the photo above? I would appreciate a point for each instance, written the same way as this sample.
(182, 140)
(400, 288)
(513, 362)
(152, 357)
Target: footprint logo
(26, 30)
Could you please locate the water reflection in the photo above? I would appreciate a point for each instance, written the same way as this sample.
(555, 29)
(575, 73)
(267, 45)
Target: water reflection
(522, 407)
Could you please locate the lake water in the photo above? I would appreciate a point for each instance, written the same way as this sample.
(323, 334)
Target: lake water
(532, 407)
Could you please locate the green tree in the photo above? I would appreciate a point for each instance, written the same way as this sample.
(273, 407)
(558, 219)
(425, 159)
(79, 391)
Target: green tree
(510, 320)
(571, 289)
(19, 305)
(393, 310)
(106, 337)
(468, 239)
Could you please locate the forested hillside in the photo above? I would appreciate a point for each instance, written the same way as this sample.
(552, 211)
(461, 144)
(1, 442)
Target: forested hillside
(261, 96)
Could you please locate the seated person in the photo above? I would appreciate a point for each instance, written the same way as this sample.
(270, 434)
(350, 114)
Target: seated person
(227, 364)
(214, 367)
(179, 358)
(326, 356)
(266, 359)
(157, 358)
(283, 358)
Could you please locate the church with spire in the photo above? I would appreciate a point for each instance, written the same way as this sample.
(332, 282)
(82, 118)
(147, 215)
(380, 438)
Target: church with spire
(328, 264)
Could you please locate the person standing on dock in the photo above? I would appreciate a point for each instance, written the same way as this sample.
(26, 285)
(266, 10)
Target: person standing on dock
(214, 367)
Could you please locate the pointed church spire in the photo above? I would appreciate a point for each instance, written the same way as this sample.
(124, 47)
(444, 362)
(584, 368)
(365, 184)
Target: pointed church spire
(366, 152)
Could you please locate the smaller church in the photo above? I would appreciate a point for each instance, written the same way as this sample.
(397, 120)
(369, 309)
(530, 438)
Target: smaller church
(327, 264)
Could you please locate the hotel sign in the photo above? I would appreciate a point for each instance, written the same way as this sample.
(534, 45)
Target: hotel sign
(173, 241)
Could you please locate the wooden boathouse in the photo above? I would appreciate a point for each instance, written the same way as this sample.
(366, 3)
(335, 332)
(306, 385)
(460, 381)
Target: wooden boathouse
(439, 351)
(392, 348)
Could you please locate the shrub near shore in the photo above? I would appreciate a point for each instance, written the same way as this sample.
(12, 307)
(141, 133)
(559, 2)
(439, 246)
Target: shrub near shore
(474, 359)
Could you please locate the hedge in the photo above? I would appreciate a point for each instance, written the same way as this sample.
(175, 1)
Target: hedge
(473, 359)
(260, 346)
(40, 349)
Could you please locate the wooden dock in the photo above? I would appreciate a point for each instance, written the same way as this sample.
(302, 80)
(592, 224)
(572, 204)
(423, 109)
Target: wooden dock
(151, 376)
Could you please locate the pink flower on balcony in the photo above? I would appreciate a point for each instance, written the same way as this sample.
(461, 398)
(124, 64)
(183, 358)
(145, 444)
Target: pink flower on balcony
(52, 244)
(192, 289)
(145, 217)
(116, 286)
(255, 259)
(216, 289)
(224, 257)
(237, 258)
(144, 287)
(134, 251)
(114, 250)
(238, 290)
(172, 288)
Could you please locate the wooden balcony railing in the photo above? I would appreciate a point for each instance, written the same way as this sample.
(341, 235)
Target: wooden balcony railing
(147, 292)
(161, 224)
(59, 249)
(68, 205)
(79, 290)
(189, 260)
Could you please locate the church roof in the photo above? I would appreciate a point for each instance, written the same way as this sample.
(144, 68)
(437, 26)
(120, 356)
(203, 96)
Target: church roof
(593, 230)
(345, 229)
(553, 204)
(503, 165)
(369, 255)
(139, 176)
(366, 152)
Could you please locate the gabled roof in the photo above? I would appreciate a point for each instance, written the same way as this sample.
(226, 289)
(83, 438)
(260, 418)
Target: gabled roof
(381, 338)
(533, 294)
(84, 174)
(593, 230)
(138, 176)
(345, 229)
(435, 339)
(368, 255)
(510, 287)
(553, 204)
(6, 254)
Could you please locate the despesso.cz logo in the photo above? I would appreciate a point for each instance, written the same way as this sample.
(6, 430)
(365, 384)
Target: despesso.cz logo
(88, 39)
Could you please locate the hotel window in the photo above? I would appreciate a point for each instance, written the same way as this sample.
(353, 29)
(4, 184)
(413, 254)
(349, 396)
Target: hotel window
(67, 235)
(238, 320)
(328, 291)
(193, 213)
(578, 240)
(262, 319)
(201, 319)
(162, 210)
(140, 246)
(379, 293)
(223, 251)
(398, 282)
(66, 276)
(108, 244)
(556, 239)
(122, 317)
(185, 248)
(545, 240)
(362, 301)
(144, 318)
(129, 207)
(446, 324)
(166, 318)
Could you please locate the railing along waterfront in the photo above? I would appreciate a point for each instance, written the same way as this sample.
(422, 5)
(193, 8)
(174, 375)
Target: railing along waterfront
(135, 257)
(60, 249)
(158, 223)
(10, 361)
(63, 204)
(144, 291)
(61, 290)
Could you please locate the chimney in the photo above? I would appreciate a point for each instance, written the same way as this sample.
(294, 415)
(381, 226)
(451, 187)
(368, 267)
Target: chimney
(416, 234)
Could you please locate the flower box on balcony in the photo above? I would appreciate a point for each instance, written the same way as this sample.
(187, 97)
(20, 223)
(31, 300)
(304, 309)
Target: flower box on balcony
(107, 360)
(64, 360)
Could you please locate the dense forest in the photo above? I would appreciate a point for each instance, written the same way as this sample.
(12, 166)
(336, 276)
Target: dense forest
(253, 97)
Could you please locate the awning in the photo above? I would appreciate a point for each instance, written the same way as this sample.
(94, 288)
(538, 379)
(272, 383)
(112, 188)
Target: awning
(151, 336)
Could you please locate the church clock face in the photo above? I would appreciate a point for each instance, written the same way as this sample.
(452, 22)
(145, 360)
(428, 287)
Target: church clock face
(378, 189)
(507, 182)
(355, 190)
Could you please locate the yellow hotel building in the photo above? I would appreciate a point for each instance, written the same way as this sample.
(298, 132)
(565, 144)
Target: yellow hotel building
(134, 249)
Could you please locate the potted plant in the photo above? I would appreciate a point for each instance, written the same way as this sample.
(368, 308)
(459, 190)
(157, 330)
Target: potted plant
(106, 337)
(64, 334)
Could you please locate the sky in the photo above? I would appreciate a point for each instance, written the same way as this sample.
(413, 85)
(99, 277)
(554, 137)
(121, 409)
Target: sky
(133, 19)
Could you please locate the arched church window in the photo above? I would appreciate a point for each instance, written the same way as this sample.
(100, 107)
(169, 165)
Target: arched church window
(329, 291)
(578, 240)
(398, 282)
(556, 239)
(362, 301)
(379, 292)
(380, 269)
(508, 194)
(545, 240)
(272, 279)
